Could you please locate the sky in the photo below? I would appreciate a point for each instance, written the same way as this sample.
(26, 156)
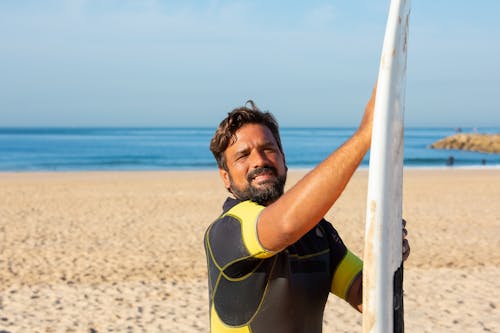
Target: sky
(188, 63)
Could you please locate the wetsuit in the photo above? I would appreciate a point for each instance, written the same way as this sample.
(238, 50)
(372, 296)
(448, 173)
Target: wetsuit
(258, 291)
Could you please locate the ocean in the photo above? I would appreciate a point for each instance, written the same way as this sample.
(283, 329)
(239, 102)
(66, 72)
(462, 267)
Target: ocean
(82, 149)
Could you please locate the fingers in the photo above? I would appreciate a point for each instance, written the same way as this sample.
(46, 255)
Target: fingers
(405, 232)
(406, 245)
(406, 249)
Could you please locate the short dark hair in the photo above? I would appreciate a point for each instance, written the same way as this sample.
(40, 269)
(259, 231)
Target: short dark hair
(225, 135)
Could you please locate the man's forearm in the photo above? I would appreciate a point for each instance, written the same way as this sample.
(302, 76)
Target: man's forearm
(355, 294)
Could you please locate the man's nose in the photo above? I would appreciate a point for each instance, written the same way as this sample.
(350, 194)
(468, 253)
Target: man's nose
(259, 158)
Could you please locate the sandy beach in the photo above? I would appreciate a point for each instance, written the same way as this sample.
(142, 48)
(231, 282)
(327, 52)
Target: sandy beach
(123, 251)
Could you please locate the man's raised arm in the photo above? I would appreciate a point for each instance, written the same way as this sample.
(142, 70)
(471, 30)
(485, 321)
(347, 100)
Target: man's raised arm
(286, 220)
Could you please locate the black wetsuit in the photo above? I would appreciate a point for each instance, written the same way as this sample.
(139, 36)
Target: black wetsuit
(255, 290)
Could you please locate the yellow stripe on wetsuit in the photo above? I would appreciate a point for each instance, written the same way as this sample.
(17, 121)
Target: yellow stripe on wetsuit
(218, 326)
(345, 273)
(247, 213)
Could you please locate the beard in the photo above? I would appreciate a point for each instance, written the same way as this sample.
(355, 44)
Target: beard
(264, 193)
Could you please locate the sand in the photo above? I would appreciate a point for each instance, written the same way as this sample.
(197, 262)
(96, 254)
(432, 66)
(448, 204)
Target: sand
(122, 251)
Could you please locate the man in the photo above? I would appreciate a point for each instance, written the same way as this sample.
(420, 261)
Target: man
(272, 258)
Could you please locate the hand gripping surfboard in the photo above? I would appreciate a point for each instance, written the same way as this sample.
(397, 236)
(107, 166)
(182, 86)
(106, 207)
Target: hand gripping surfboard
(383, 267)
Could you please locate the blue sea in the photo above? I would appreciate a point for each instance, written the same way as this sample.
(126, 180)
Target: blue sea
(75, 149)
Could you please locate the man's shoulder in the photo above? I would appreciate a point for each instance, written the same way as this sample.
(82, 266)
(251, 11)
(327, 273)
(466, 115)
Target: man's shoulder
(235, 230)
(237, 210)
(244, 210)
(235, 206)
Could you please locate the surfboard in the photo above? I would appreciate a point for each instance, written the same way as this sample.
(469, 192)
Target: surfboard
(383, 267)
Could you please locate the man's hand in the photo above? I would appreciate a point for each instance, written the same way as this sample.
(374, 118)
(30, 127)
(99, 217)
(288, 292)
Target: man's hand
(406, 245)
(355, 295)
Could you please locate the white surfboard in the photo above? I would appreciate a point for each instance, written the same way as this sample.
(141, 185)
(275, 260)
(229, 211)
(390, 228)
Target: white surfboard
(383, 268)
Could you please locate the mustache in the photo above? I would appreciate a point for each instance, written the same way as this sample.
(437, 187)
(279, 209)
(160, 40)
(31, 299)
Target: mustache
(254, 173)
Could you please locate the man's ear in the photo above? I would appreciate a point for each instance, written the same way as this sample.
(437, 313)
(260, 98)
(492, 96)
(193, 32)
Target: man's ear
(225, 178)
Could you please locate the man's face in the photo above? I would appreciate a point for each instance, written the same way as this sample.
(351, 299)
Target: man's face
(256, 167)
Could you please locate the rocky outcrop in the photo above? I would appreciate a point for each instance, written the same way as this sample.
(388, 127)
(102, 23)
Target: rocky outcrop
(486, 143)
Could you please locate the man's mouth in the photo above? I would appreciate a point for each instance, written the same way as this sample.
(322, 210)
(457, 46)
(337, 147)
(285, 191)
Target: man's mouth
(262, 175)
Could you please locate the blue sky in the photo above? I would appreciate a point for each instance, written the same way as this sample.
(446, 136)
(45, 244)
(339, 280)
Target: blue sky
(187, 63)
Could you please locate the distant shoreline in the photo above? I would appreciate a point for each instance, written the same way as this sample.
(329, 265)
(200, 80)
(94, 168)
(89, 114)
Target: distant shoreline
(479, 142)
